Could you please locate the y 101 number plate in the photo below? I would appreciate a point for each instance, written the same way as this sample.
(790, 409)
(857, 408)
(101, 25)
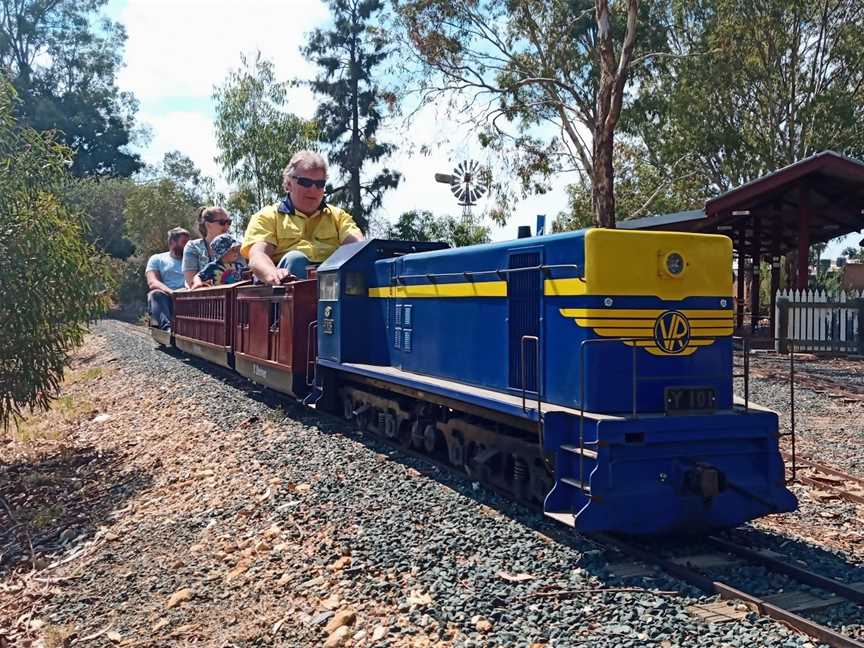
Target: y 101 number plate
(690, 399)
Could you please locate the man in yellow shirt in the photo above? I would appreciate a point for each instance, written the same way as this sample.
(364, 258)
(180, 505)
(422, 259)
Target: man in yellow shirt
(283, 239)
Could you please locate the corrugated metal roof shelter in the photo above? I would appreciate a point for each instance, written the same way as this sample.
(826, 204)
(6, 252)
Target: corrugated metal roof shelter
(811, 201)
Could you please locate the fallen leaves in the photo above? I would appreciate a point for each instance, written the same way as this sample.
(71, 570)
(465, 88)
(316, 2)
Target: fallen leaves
(161, 623)
(514, 578)
(238, 570)
(178, 597)
(342, 618)
(418, 597)
(481, 624)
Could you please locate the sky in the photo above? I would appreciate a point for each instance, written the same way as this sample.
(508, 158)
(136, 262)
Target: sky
(178, 50)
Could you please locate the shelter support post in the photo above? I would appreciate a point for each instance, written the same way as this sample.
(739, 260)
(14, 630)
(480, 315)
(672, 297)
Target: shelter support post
(755, 254)
(803, 236)
(777, 227)
(739, 304)
(775, 286)
(782, 341)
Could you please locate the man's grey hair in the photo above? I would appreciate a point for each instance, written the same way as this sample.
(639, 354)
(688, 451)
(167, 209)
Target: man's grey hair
(176, 233)
(305, 159)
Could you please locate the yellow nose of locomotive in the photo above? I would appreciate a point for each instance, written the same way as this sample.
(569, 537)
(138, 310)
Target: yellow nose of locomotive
(668, 265)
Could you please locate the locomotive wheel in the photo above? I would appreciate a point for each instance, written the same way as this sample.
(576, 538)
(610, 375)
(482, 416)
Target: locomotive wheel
(541, 481)
(390, 427)
(347, 408)
(417, 435)
(431, 439)
(456, 451)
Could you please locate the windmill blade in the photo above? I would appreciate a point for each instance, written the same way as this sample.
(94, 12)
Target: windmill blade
(466, 182)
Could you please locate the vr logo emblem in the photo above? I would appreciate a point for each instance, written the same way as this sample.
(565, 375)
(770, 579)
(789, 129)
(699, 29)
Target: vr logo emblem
(672, 332)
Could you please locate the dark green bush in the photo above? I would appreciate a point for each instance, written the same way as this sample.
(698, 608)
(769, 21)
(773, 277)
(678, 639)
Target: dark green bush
(52, 282)
(130, 286)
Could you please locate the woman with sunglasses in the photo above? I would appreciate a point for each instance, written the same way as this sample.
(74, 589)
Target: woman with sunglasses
(301, 229)
(212, 221)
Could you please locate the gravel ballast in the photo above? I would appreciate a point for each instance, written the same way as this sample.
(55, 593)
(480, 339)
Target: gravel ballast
(234, 517)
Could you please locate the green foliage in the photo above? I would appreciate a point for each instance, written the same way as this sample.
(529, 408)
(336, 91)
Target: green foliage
(154, 208)
(641, 189)
(855, 255)
(754, 86)
(63, 62)
(422, 225)
(130, 286)
(255, 133)
(354, 101)
(241, 204)
(198, 188)
(53, 281)
(101, 202)
(827, 279)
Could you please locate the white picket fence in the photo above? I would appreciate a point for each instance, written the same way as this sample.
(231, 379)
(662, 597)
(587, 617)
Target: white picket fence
(819, 321)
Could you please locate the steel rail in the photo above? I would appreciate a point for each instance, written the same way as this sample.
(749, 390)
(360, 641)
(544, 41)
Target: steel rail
(727, 592)
(823, 484)
(790, 569)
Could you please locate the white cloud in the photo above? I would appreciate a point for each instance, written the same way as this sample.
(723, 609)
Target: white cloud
(182, 48)
(191, 133)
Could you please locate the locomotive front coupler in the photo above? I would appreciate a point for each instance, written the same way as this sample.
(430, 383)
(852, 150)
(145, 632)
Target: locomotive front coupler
(704, 480)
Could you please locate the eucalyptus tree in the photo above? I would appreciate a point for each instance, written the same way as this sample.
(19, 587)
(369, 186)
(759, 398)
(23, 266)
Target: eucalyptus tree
(423, 225)
(777, 81)
(542, 81)
(255, 132)
(350, 56)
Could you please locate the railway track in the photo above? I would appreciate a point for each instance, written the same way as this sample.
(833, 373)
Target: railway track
(699, 568)
(692, 565)
(828, 480)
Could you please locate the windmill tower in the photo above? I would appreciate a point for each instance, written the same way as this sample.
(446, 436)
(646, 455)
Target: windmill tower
(466, 184)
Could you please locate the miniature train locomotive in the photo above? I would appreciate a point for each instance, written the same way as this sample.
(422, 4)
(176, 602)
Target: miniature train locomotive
(589, 371)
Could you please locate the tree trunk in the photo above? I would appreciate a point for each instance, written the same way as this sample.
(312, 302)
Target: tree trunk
(354, 184)
(610, 95)
(603, 173)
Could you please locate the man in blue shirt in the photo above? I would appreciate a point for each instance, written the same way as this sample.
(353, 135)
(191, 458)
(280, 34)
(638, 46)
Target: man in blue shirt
(165, 275)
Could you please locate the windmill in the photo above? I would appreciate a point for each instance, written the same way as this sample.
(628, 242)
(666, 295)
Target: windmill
(466, 184)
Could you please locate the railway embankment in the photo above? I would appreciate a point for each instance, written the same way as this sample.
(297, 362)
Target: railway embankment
(165, 502)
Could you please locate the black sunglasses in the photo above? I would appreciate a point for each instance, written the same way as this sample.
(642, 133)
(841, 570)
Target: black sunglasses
(226, 221)
(309, 182)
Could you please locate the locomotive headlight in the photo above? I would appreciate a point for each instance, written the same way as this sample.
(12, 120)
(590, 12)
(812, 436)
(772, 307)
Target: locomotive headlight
(673, 264)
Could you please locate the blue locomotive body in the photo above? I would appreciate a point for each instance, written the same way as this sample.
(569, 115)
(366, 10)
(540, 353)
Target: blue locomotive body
(615, 346)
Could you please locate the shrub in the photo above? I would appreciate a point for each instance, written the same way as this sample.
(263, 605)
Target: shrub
(52, 282)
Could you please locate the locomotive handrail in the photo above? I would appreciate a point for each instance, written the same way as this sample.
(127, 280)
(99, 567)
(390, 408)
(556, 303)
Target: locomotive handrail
(470, 274)
(536, 340)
